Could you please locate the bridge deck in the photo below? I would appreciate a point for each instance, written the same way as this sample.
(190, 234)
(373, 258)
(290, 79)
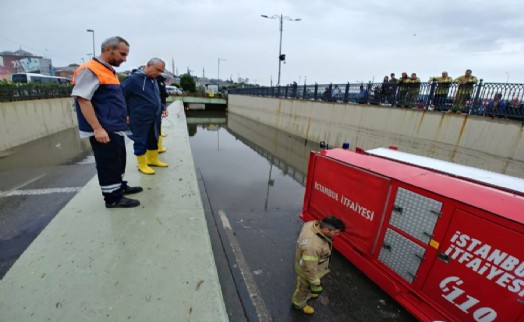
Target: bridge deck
(200, 100)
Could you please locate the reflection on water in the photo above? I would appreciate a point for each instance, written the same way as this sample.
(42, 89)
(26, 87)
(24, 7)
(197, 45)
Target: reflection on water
(288, 153)
(59, 148)
(242, 165)
(206, 119)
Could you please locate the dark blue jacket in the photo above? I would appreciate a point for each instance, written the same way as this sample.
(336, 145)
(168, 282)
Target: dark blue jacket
(142, 96)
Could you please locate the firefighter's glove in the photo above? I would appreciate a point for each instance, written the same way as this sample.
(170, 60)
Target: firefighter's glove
(316, 289)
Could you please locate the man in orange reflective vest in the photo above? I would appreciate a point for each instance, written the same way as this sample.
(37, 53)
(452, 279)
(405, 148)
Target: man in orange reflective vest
(102, 117)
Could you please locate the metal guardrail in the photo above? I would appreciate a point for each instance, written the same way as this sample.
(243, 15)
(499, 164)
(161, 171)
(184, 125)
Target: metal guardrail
(20, 92)
(478, 99)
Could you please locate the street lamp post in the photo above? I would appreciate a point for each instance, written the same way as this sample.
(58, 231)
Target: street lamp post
(280, 56)
(218, 74)
(93, 32)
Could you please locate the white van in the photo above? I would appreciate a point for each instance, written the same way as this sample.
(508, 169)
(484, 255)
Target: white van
(173, 90)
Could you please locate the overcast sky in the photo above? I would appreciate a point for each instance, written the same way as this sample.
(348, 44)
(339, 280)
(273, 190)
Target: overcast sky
(336, 41)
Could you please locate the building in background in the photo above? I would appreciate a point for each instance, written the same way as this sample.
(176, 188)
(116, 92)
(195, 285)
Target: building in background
(67, 71)
(22, 61)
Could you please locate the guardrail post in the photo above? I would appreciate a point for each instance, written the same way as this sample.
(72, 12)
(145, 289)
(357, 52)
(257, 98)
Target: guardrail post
(346, 93)
(431, 96)
(475, 103)
(304, 92)
(370, 87)
(315, 96)
(285, 91)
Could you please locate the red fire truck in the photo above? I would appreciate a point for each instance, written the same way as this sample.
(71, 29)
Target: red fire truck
(445, 241)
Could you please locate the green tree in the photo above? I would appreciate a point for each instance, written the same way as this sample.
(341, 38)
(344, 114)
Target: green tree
(188, 83)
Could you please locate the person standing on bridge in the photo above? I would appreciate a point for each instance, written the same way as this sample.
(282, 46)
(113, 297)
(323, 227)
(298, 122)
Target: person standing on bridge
(403, 89)
(443, 83)
(465, 89)
(144, 106)
(101, 111)
(312, 256)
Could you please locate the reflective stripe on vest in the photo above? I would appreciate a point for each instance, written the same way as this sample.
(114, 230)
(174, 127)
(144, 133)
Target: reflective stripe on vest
(310, 258)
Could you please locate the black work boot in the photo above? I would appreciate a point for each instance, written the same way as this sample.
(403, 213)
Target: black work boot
(123, 203)
(127, 190)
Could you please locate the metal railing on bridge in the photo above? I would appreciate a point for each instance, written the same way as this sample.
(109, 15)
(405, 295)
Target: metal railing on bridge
(20, 92)
(477, 99)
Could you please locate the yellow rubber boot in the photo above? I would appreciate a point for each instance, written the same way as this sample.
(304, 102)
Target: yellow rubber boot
(152, 159)
(306, 309)
(162, 133)
(142, 165)
(161, 148)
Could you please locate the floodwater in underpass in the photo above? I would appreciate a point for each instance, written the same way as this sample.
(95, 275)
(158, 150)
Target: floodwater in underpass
(254, 176)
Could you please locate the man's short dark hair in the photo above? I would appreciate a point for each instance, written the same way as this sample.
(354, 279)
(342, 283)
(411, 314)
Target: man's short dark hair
(113, 42)
(332, 223)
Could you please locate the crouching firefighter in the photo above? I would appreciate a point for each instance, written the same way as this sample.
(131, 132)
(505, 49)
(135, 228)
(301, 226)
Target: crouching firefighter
(313, 252)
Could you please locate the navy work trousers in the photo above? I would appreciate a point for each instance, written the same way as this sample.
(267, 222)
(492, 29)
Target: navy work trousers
(111, 166)
(145, 136)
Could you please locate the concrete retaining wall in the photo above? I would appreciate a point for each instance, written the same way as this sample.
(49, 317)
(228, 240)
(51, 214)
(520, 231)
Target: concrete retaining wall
(492, 144)
(25, 121)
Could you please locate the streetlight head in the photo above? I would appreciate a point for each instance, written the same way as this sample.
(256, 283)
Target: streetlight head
(264, 16)
(90, 30)
(297, 19)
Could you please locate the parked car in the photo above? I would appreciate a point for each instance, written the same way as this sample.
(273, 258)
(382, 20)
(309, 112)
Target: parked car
(173, 90)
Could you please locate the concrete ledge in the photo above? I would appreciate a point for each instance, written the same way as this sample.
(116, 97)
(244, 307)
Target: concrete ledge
(151, 263)
(25, 121)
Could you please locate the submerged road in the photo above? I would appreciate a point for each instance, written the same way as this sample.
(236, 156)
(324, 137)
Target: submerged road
(251, 181)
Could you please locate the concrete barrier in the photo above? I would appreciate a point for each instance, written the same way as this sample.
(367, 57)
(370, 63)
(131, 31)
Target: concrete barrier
(492, 144)
(25, 121)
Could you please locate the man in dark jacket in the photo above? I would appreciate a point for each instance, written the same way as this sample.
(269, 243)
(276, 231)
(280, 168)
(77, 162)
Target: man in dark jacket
(144, 108)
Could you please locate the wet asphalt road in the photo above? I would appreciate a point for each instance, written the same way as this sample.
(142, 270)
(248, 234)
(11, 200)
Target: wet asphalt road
(253, 176)
(36, 181)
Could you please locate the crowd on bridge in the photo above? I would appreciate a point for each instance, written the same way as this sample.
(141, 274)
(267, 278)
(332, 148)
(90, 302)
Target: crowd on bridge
(404, 91)
(463, 94)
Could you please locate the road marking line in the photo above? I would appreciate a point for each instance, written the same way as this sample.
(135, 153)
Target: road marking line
(22, 185)
(28, 182)
(254, 293)
(34, 192)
